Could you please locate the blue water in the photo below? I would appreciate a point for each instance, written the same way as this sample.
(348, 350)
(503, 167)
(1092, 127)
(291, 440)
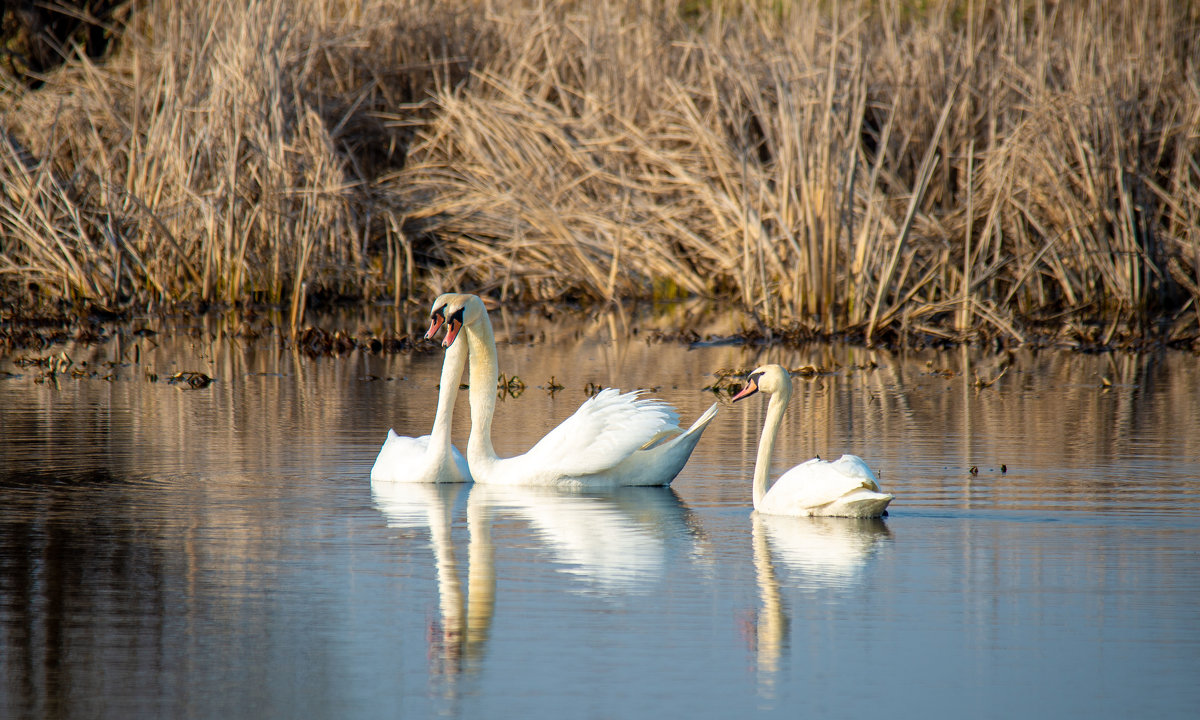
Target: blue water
(169, 552)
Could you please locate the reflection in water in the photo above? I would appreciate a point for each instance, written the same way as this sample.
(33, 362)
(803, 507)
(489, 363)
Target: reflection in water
(771, 628)
(458, 641)
(824, 552)
(616, 541)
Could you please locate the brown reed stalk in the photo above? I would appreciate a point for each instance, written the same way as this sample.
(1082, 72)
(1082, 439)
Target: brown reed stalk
(969, 168)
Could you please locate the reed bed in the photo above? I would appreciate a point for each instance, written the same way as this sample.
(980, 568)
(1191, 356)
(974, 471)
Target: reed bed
(873, 169)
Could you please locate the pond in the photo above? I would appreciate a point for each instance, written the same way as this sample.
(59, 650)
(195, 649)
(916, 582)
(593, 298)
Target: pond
(218, 551)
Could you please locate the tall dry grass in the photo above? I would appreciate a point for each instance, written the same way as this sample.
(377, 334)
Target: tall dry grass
(225, 152)
(966, 170)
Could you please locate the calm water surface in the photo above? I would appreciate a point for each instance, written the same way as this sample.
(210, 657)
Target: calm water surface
(219, 552)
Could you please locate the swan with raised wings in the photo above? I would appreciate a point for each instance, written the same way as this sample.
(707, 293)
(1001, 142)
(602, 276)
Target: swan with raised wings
(845, 487)
(614, 439)
(432, 457)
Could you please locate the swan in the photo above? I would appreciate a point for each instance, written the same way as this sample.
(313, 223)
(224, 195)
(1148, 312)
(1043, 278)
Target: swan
(429, 458)
(612, 440)
(845, 487)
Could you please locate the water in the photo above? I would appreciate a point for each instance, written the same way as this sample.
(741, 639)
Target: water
(219, 552)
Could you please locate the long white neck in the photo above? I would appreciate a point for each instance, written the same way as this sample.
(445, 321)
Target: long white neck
(766, 443)
(452, 370)
(485, 371)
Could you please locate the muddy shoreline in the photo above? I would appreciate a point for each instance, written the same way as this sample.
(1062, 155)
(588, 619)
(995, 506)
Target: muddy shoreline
(332, 329)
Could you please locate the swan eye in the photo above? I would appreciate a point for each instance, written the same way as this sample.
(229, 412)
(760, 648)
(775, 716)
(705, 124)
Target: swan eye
(437, 312)
(458, 314)
(754, 378)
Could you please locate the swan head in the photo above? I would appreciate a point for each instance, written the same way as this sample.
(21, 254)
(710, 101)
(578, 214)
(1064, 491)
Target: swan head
(769, 379)
(460, 309)
(437, 316)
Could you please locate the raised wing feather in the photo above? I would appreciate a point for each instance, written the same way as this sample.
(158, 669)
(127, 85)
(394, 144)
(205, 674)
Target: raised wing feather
(605, 430)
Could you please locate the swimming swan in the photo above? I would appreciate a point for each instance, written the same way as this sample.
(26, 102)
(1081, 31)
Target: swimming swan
(612, 440)
(429, 458)
(845, 487)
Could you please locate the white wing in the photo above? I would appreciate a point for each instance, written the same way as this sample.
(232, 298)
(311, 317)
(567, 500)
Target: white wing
(852, 466)
(605, 430)
(814, 484)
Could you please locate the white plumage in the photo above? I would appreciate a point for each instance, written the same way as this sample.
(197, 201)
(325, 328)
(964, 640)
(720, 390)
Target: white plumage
(432, 457)
(613, 439)
(845, 487)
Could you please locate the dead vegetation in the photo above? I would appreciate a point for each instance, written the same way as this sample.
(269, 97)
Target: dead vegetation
(968, 171)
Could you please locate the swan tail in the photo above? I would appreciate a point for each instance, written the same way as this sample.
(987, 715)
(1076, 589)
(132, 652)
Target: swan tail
(703, 421)
(697, 427)
(661, 463)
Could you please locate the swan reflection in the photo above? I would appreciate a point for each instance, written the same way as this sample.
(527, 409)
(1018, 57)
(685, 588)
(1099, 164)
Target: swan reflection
(616, 541)
(458, 640)
(825, 552)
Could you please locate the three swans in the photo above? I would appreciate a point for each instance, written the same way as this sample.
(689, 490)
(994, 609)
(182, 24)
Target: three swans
(429, 458)
(612, 440)
(845, 487)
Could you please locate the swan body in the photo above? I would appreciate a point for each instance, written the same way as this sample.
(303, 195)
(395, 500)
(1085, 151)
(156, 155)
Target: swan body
(614, 439)
(432, 457)
(845, 487)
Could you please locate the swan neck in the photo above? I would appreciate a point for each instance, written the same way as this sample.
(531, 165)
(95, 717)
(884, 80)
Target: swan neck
(766, 443)
(452, 370)
(484, 373)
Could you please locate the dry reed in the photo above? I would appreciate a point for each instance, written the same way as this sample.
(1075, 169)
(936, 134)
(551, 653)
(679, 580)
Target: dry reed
(966, 171)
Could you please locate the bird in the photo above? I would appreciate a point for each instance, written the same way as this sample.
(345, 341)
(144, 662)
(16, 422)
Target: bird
(432, 457)
(614, 439)
(845, 487)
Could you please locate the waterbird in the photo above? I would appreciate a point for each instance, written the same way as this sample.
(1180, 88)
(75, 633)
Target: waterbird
(845, 487)
(432, 457)
(614, 439)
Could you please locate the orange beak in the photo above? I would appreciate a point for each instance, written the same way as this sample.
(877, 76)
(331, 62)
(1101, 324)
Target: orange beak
(435, 322)
(750, 389)
(452, 332)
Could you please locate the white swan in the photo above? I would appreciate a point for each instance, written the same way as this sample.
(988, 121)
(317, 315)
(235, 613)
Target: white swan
(612, 440)
(845, 487)
(429, 458)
